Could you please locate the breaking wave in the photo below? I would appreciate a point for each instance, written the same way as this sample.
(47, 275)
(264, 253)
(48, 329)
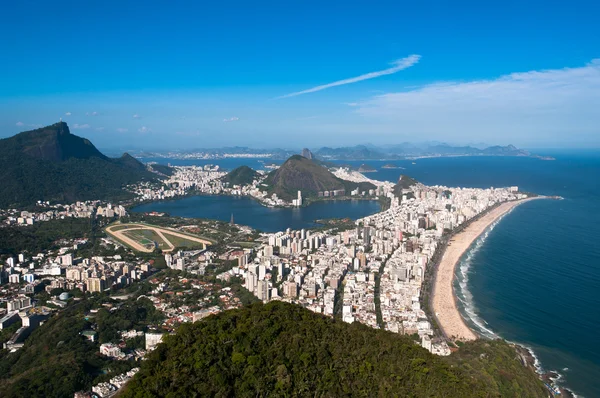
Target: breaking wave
(469, 310)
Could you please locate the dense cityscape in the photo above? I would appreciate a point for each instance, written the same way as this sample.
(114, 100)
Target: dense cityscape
(369, 271)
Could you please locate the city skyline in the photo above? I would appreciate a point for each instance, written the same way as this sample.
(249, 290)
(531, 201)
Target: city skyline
(207, 76)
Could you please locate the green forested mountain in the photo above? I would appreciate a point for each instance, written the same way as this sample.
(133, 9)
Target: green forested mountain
(242, 175)
(50, 163)
(404, 182)
(301, 174)
(284, 350)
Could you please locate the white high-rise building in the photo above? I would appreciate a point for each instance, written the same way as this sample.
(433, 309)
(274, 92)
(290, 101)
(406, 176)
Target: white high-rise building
(262, 291)
(251, 281)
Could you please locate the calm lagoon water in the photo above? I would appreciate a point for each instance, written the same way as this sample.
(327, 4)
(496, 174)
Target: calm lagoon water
(247, 211)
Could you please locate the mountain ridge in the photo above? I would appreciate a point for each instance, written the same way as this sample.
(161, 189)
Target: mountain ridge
(50, 163)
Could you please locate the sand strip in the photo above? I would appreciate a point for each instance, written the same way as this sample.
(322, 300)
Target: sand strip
(444, 302)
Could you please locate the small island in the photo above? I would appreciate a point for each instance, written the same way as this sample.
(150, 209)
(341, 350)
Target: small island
(390, 166)
(365, 168)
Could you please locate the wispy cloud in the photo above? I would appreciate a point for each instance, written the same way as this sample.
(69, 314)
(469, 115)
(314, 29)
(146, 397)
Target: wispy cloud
(231, 119)
(534, 105)
(99, 128)
(81, 126)
(122, 130)
(398, 65)
(136, 116)
(20, 124)
(68, 114)
(91, 113)
(144, 130)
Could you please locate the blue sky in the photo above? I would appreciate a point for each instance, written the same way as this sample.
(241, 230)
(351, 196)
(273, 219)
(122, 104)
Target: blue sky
(159, 74)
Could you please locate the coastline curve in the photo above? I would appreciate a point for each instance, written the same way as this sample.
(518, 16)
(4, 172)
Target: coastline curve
(444, 306)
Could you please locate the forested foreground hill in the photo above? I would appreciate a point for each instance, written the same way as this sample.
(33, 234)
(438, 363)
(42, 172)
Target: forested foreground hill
(281, 350)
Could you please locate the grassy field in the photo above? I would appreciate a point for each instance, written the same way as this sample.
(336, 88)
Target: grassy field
(143, 237)
(146, 237)
(178, 241)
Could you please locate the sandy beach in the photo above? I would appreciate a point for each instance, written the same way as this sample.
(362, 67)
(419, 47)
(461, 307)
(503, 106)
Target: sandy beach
(444, 301)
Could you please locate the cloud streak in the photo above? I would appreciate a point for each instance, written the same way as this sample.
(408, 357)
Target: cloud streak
(398, 65)
(544, 105)
(231, 119)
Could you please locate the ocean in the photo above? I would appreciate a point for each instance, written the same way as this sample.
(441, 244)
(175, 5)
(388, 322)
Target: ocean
(534, 277)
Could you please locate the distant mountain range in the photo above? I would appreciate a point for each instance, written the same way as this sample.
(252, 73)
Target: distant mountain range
(361, 152)
(403, 151)
(50, 163)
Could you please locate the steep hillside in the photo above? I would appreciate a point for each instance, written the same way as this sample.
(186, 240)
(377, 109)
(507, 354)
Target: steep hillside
(242, 175)
(50, 163)
(301, 174)
(280, 349)
(404, 182)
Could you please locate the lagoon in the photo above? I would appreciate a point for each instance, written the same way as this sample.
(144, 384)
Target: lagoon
(247, 211)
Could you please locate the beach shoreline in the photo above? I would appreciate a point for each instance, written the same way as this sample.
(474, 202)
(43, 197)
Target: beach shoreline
(444, 307)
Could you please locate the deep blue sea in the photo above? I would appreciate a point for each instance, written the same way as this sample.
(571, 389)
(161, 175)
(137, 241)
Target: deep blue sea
(535, 277)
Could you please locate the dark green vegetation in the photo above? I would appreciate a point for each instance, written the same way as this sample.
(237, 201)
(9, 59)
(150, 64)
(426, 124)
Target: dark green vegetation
(162, 169)
(242, 175)
(301, 174)
(42, 235)
(52, 164)
(404, 182)
(284, 350)
(56, 360)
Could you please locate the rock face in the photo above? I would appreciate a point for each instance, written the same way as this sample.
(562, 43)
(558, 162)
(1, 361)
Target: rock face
(54, 143)
(50, 163)
(307, 153)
